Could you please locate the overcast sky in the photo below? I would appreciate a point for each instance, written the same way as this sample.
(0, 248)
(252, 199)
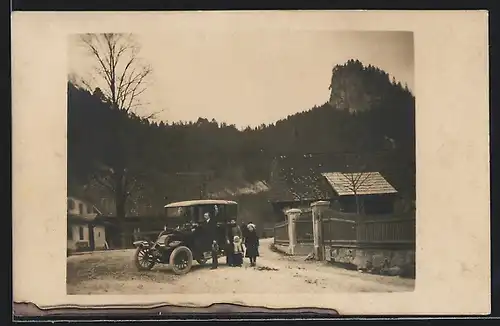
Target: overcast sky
(248, 78)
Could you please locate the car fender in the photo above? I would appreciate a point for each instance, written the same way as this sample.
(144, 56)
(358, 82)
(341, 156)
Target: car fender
(142, 243)
(175, 243)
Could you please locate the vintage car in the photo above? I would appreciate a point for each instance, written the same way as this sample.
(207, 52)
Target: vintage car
(187, 235)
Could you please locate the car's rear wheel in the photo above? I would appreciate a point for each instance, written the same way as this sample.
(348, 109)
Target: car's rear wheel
(143, 259)
(181, 260)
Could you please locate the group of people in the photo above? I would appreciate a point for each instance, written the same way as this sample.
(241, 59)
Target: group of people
(241, 242)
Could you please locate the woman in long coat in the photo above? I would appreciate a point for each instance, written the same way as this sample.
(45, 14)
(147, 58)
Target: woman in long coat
(252, 244)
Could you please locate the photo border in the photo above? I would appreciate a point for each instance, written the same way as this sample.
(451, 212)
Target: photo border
(24, 308)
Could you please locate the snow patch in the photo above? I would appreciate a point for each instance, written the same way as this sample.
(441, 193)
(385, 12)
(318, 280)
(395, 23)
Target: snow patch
(247, 189)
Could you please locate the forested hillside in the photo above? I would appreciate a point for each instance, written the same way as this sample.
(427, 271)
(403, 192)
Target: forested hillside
(365, 112)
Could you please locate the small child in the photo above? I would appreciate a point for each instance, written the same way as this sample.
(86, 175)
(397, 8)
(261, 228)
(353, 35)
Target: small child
(215, 255)
(238, 251)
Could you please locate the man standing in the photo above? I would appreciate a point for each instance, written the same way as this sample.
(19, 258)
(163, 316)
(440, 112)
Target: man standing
(210, 227)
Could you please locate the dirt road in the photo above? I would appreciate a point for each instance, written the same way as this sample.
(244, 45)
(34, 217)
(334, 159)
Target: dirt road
(113, 272)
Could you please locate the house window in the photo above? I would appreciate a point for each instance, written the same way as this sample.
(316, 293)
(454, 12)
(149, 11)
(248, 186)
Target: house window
(98, 234)
(89, 209)
(71, 204)
(69, 231)
(80, 208)
(80, 230)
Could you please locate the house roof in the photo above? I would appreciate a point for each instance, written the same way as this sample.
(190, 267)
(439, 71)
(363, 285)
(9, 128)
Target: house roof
(300, 177)
(81, 218)
(364, 183)
(87, 202)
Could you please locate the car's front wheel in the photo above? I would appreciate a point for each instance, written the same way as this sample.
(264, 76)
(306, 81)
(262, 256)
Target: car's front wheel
(143, 259)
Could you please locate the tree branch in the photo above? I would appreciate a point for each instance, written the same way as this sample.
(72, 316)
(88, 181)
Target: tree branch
(122, 77)
(350, 184)
(367, 176)
(93, 49)
(153, 115)
(103, 183)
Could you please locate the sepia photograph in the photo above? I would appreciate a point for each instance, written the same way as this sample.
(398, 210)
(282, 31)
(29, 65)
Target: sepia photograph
(172, 189)
(265, 161)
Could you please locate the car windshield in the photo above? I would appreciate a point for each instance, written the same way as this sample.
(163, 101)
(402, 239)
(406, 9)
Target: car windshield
(181, 213)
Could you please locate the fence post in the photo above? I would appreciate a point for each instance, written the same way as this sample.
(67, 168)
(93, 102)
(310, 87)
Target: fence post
(317, 209)
(292, 215)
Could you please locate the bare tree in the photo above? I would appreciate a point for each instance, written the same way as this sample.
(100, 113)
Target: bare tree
(354, 182)
(120, 79)
(356, 178)
(118, 70)
(122, 183)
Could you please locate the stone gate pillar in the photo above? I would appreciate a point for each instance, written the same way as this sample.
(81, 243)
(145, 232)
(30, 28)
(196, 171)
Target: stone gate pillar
(317, 212)
(292, 215)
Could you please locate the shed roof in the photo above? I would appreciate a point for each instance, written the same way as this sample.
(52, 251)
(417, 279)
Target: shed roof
(363, 183)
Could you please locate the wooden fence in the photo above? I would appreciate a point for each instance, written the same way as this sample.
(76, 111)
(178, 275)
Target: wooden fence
(381, 232)
(338, 231)
(397, 233)
(281, 233)
(348, 230)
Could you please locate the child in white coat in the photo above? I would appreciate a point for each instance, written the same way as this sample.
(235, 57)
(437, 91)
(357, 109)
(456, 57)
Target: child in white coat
(237, 251)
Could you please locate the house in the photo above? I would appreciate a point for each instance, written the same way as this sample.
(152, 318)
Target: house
(362, 192)
(135, 228)
(299, 180)
(83, 231)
